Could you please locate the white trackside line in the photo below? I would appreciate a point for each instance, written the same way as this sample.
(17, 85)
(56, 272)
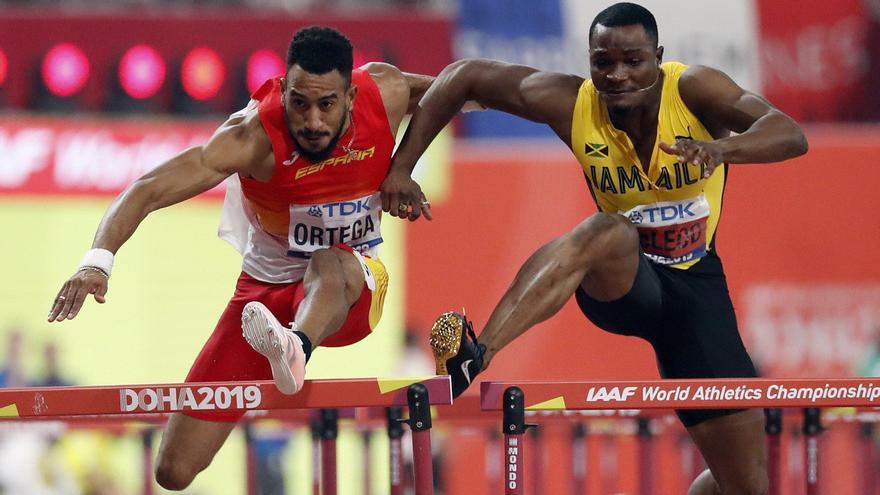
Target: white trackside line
(268, 337)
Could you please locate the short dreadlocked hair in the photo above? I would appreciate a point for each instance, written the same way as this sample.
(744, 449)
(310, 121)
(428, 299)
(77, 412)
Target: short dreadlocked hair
(319, 50)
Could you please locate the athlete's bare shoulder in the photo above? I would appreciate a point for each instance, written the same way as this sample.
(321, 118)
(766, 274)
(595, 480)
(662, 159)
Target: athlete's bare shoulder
(699, 82)
(391, 82)
(383, 72)
(551, 97)
(246, 121)
(240, 144)
(713, 97)
(394, 88)
(551, 90)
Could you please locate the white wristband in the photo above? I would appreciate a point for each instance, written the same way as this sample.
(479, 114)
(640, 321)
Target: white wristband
(99, 258)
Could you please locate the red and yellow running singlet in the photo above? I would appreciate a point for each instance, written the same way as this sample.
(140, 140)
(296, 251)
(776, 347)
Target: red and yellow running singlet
(308, 206)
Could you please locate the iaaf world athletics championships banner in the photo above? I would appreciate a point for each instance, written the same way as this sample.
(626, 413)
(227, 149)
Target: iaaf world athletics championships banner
(83, 156)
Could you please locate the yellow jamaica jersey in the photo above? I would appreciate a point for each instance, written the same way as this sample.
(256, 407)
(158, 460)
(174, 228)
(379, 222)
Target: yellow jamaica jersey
(673, 207)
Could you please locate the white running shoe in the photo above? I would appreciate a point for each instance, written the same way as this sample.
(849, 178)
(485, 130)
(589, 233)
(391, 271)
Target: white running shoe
(278, 344)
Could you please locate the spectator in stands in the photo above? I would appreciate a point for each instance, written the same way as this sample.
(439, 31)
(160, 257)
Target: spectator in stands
(53, 376)
(11, 373)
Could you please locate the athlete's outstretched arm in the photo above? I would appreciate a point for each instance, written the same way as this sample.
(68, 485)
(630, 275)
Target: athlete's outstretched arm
(194, 171)
(765, 134)
(542, 97)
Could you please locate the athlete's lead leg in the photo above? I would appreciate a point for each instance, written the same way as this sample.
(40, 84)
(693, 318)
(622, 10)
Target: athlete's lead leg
(601, 254)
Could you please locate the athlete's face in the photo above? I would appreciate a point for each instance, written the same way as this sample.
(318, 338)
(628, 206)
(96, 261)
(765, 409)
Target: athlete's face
(624, 60)
(317, 108)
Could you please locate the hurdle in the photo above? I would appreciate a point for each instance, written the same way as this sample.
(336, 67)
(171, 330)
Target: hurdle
(256, 398)
(515, 398)
(467, 412)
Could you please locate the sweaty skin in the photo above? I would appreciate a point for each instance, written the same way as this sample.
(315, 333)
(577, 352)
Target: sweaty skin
(601, 255)
(317, 109)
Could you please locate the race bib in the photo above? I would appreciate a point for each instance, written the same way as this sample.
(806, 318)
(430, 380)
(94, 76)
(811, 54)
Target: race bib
(672, 232)
(315, 226)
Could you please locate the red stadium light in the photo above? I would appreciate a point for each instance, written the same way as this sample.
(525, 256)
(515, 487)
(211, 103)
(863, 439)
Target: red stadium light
(202, 73)
(65, 70)
(261, 65)
(4, 67)
(141, 72)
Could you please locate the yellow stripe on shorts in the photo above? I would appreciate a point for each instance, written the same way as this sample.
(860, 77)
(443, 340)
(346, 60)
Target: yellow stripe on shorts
(378, 300)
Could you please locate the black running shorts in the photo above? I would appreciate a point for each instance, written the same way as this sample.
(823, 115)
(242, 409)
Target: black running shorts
(688, 318)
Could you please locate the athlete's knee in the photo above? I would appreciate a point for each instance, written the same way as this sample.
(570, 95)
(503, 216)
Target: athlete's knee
(704, 484)
(752, 484)
(324, 267)
(323, 259)
(333, 268)
(604, 235)
(174, 474)
(755, 483)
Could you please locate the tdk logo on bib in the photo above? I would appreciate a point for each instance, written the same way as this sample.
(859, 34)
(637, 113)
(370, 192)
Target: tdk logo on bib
(344, 208)
(354, 222)
(667, 213)
(672, 232)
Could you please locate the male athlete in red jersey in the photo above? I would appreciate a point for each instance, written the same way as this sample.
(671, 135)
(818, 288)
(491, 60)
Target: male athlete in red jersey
(306, 158)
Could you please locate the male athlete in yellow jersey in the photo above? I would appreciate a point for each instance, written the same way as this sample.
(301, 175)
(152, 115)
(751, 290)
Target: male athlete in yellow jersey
(654, 140)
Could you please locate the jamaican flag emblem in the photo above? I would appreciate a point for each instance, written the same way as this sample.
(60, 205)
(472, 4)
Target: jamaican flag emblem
(596, 150)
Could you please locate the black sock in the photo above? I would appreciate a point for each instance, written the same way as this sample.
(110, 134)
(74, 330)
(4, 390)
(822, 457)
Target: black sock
(307, 344)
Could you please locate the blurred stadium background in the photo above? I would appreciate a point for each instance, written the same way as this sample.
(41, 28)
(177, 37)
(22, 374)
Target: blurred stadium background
(95, 92)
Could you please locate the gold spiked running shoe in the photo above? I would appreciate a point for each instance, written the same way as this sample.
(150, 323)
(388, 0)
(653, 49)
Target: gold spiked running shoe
(457, 352)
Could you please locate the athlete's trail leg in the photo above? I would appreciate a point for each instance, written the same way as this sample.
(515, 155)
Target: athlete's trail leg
(187, 448)
(734, 448)
(333, 282)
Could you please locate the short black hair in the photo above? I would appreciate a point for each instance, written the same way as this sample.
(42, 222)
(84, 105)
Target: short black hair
(319, 50)
(627, 14)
